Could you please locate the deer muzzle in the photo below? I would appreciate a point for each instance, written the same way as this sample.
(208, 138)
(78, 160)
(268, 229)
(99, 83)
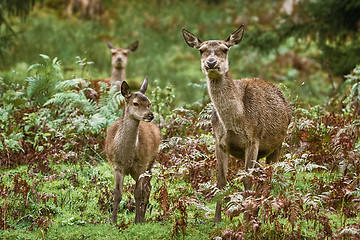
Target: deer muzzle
(211, 63)
(149, 117)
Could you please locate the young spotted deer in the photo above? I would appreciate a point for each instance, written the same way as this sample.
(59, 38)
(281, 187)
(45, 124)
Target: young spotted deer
(131, 146)
(118, 70)
(250, 117)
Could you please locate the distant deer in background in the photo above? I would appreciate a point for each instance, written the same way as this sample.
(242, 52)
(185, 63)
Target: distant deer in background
(131, 146)
(250, 117)
(119, 61)
(88, 9)
(118, 70)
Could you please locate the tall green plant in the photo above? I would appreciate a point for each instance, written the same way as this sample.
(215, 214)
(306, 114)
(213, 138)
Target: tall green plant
(42, 84)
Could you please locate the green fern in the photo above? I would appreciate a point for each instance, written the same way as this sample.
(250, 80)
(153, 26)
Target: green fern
(42, 85)
(300, 164)
(234, 205)
(72, 100)
(75, 83)
(85, 114)
(110, 103)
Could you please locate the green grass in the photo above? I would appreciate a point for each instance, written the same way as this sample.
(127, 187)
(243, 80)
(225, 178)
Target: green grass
(146, 231)
(78, 215)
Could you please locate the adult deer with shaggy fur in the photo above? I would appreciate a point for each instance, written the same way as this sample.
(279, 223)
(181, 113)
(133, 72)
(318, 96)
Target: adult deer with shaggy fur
(131, 146)
(250, 117)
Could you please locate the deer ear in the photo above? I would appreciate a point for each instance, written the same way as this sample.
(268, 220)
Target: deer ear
(133, 46)
(125, 90)
(191, 39)
(235, 37)
(144, 86)
(109, 45)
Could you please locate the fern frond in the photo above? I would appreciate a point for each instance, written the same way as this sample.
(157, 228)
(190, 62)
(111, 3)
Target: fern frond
(212, 190)
(72, 100)
(205, 116)
(311, 166)
(109, 105)
(36, 67)
(314, 200)
(234, 205)
(45, 57)
(349, 231)
(297, 164)
(42, 85)
(63, 99)
(70, 84)
(97, 122)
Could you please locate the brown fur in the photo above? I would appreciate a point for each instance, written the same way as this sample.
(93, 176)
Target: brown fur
(251, 116)
(131, 146)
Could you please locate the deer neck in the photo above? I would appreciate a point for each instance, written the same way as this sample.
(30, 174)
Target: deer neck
(118, 74)
(127, 136)
(227, 100)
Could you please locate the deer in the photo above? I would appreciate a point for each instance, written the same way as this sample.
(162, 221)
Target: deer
(118, 69)
(119, 61)
(250, 117)
(131, 147)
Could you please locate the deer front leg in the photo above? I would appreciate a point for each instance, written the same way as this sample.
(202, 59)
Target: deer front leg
(142, 194)
(119, 180)
(222, 159)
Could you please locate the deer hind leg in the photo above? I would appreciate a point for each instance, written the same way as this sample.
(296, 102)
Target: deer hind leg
(142, 194)
(251, 154)
(222, 159)
(119, 180)
(274, 156)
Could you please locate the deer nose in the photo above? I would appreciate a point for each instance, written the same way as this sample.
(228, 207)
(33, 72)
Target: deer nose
(149, 117)
(211, 63)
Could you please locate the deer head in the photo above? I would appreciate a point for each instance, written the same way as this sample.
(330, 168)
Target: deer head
(214, 53)
(137, 104)
(119, 55)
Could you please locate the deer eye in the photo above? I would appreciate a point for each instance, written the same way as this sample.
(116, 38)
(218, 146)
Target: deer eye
(201, 51)
(136, 104)
(225, 50)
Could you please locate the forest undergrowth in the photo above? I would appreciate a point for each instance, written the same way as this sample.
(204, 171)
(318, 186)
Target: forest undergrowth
(54, 173)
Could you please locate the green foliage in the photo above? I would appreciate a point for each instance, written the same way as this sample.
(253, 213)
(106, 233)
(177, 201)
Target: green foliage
(162, 101)
(56, 183)
(331, 24)
(49, 117)
(352, 100)
(42, 85)
(9, 9)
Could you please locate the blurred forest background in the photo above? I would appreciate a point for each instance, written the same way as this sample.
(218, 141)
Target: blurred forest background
(55, 180)
(308, 46)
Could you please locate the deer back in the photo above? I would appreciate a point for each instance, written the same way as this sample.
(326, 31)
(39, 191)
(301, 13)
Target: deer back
(265, 106)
